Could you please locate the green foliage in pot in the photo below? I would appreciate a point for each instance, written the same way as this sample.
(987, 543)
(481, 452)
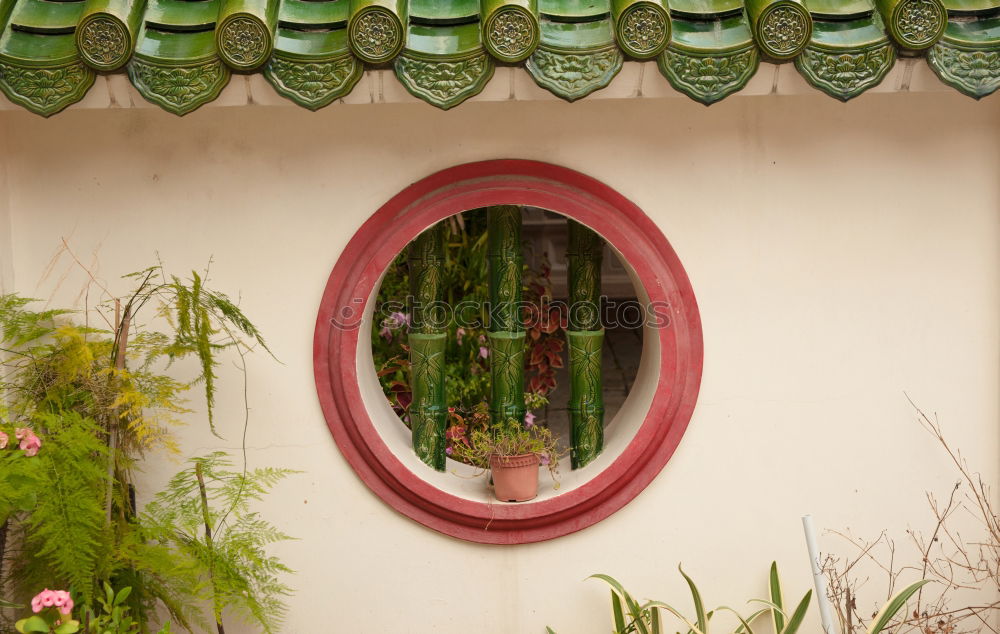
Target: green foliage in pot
(512, 438)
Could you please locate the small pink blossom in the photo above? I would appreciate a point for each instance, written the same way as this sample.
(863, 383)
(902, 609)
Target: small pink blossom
(529, 419)
(459, 334)
(4, 439)
(545, 458)
(449, 451)
(30, 443)
(59, 599)
(400, 319)
(484, 352)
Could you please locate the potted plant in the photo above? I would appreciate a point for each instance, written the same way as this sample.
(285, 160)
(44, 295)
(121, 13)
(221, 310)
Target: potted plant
(512, 451)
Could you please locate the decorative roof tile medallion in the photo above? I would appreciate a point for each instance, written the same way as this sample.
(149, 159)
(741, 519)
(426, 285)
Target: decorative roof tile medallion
(510, 33)
(179, 89)
(708, 78)
(45, 90)
(314, 84)
(104, 41)
(842, 74)
(918, 24)
(574, 75)
(244, 42)
(782, 28)
(643, 29)
(376, 34)
(444, 84)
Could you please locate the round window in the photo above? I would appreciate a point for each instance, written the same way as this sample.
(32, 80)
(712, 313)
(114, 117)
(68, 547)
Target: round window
(380, 435)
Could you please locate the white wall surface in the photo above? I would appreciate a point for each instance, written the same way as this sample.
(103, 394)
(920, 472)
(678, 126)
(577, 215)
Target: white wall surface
(841, 255)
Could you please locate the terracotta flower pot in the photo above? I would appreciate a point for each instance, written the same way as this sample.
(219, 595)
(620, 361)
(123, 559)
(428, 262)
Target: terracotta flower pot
(515, 478)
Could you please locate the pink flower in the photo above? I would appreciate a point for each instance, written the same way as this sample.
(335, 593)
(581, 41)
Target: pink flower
(449, 451)
(30, 443)
(4, 439)
(483, 352)
(529, 419)
(52, 598)
(545, 458)
(459, 334)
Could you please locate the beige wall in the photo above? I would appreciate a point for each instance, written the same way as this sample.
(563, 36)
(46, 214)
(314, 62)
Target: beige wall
(841, 255)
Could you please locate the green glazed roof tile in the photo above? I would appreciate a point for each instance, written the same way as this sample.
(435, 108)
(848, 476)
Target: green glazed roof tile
(180, 13)
(577, 36)
(705, 7)
(315, 44)
(971, 6)
(45, 16)
(840, 8)
(711, 37)
(855, 34)
(33, 49)
(443, 41)
(176, 48)
(330, 14)
(444, 10)
(573, 9)
(983, 32)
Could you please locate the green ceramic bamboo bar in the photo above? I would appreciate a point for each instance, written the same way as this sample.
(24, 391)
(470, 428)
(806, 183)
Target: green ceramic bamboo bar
(586, 401)
(245, 35)
(506, 332)
(510, 28)
(915, 24)
(504, 248)
(105, 35)
(586, 250)
(428, 412)
(586, 338)
(506, 376)
(642, 27)
(781, 28)
(377, 29)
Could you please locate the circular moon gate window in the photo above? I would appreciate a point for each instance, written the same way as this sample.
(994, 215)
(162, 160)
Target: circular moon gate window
(640, 439)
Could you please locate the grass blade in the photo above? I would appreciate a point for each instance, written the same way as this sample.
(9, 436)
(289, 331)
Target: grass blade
(659, 604)
(616, 608)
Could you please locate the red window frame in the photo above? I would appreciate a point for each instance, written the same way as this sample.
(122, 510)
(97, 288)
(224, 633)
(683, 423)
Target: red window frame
(470, 186)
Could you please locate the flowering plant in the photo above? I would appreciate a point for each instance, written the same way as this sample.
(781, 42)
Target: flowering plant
(511, 438)
(52, 610)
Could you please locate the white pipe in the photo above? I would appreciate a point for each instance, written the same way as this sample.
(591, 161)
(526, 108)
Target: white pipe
(818, 578)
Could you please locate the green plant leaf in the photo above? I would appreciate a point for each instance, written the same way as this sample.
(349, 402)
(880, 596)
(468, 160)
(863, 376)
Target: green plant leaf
(774, 589)
(69, 627)
(660, 604)
(32, 624)
(894, 605)
(616, 609)
(122, 595)
(699, 606)
(744, 624)
(797, 617)
(549, 630)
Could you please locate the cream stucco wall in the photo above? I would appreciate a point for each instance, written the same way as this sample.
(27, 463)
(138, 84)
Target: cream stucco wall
(841, 255)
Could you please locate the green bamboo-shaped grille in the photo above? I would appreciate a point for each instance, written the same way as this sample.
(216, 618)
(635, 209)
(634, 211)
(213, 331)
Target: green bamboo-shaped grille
(428, 413)
(506, 332)
(585, 337)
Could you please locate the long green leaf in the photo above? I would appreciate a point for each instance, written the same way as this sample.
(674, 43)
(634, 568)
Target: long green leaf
(774, 587)
(699, 606)
(894, 605)
(660, 604)
(616, 608)
(800, 613)
(744, 624)
(619, 590)
(549, 630)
